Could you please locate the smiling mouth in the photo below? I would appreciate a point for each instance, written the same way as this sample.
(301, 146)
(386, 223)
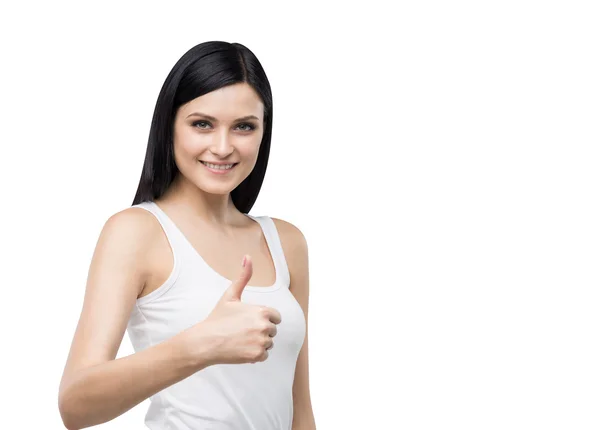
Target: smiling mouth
(222, 167)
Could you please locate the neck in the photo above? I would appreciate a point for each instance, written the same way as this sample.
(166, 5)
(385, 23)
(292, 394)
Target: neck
(214, 209)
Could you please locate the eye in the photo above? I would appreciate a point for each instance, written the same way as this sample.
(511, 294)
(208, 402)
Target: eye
(199, 122)
(201, 125)
(250, 126)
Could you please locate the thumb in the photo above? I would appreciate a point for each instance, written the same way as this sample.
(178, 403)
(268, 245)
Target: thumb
(234, 292)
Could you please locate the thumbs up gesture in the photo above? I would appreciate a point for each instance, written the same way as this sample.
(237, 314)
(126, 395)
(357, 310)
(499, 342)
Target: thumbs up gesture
(238, 332)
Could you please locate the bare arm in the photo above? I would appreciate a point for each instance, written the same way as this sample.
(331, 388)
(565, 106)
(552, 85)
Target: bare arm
(296, 252)
(96, 388)
(102, 392)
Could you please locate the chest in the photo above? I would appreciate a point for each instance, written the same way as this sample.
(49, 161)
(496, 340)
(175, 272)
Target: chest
(221, 255)
(194, 295)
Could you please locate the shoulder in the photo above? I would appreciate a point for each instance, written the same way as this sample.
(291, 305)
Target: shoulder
(295, 249)
(130, 234)
(294, 238)
(133, 225)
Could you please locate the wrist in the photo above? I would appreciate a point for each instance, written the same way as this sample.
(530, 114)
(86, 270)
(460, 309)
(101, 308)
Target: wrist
(195, 346)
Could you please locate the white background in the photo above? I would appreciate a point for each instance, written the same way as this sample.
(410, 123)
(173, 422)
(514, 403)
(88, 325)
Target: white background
(441, 158)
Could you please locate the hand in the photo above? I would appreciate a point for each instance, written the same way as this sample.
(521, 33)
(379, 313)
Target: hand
(239, 332)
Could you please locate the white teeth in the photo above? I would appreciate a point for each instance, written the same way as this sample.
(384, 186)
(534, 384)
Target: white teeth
(218, 166)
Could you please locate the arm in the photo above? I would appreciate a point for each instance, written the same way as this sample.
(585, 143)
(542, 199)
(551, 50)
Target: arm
(100, 393)
(296, 251)
(95, 388)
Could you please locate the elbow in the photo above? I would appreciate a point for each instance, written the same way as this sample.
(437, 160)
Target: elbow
(65, 414)
(66, 408)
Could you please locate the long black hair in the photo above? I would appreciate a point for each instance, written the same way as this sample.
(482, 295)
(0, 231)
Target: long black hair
(204, 68)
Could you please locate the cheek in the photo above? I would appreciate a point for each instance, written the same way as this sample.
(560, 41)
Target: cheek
(187, 146)
(250, 149)
(185, 155)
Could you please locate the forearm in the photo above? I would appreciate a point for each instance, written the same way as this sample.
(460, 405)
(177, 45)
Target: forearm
(304, 419)
(103, 392)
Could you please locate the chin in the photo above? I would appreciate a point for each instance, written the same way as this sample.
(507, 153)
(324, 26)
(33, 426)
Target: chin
(222, 190)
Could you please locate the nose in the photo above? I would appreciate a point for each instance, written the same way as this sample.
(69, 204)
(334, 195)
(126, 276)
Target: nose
(221, 146)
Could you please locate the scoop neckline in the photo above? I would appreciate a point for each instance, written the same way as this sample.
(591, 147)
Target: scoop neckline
(255, 288)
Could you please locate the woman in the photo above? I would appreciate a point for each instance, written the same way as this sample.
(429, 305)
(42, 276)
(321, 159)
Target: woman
(217, 345)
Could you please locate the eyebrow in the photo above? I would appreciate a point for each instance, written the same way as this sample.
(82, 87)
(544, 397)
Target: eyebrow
(212, 118)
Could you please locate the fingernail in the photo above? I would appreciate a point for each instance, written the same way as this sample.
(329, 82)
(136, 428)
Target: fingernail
(244, 262)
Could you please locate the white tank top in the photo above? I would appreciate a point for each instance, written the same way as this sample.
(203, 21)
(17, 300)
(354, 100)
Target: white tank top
(246, 396)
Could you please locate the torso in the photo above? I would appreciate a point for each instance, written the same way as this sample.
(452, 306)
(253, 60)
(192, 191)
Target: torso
(222, 253)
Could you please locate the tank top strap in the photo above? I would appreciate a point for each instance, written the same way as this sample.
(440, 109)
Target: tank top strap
(274, 243)
(173, 234)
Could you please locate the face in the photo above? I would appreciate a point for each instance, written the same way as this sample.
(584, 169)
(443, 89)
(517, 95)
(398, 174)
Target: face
(212, 128)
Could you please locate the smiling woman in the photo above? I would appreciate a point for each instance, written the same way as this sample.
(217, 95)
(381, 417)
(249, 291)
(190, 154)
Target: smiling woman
(225, 137)
(222, 103)
(217, 346)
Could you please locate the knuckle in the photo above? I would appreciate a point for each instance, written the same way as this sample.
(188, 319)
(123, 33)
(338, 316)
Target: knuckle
(252, 355)
(265, 327)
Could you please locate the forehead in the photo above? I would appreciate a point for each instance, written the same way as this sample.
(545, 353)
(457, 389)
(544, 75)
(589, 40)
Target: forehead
(230, 102)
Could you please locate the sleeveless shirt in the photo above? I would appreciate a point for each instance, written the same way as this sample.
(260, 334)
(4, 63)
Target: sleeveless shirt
(247, 396)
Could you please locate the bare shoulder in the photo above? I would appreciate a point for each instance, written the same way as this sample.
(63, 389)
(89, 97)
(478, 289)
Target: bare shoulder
(295, 249)
(134, 222)
(129, 236)
(292, 238)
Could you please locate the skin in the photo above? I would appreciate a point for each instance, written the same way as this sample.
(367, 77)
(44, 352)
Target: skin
(200, 204)
(133, 258)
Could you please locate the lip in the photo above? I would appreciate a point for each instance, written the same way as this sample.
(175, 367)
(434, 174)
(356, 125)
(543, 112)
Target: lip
(219, 162)
(219, 172)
